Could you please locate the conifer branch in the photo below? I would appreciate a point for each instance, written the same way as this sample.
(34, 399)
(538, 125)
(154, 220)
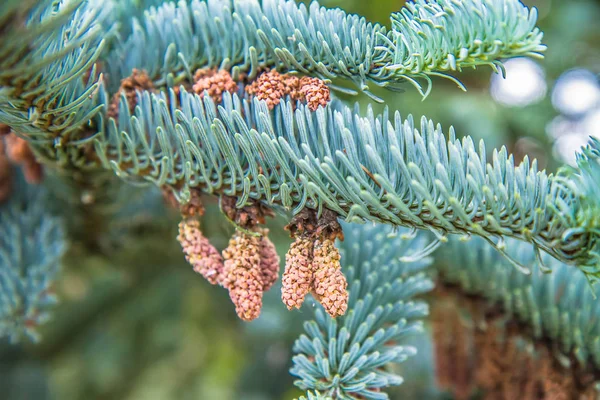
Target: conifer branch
(348, 357)
(32, 242)
(310, 395)
(147, 125)
(426, 39)
(47, 75)
(557, 306)
(436, 38)
(374, 168)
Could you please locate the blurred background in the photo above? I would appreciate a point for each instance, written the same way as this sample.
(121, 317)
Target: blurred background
(135, 322)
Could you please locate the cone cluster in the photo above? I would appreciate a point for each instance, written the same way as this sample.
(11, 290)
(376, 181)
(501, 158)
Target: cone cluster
(249, 266)
(313, 264)
(329, 283)
(214, 83)
(269, 262)
(271, 86)
(297, 277)
(314, 92)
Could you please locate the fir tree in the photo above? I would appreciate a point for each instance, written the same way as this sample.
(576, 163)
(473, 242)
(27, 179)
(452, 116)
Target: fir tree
(238, 101)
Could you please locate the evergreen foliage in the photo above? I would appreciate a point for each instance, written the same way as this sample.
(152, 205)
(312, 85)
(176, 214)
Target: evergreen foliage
(375, 168)
(349, 357)
(314, 396)
(62, 67)
(32, 242)
(558, 306)
(555, 301)
(339, 159)
(586, 178)
(426, 39)
(44, 94)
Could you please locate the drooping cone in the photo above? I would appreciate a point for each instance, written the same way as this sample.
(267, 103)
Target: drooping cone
(269, 262)
(203, 256)
(329, 283)
(296, 280)
(313, 263)
(242, 275)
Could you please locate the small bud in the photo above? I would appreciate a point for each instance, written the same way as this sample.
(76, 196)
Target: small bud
(314, 92)
(269, 86)
(215, 83)
(19, 152)
(17, 149)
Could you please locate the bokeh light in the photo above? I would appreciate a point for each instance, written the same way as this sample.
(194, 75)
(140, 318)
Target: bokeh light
(568, 145)
(591, 123)
(524, 83)
(576, 92)
(576, 96)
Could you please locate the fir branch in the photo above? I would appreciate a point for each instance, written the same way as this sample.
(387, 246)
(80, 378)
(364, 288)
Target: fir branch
(585, 180)
(124, 12)
(559, 307)
(427, 38)
(45, 95)
(314, 396)
(374, 168)
(32, 242)
(432, 38)
(348, 357)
